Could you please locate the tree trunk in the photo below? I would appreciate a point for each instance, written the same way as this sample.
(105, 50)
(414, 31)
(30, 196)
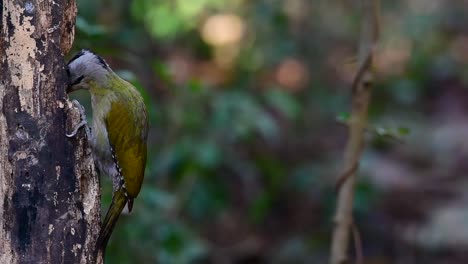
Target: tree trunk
(49, 191)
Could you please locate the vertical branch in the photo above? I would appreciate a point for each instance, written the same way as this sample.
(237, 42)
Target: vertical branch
(361, 94)
(49, 191)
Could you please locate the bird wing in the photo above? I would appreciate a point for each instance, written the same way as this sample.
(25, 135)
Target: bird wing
(127, 129)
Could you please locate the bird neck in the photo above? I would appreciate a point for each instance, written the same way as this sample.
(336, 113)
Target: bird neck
(104, 90)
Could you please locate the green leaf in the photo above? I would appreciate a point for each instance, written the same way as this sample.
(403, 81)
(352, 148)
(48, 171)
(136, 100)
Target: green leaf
(161, 69)
(283, 102)
(343, 117)
(404, 131)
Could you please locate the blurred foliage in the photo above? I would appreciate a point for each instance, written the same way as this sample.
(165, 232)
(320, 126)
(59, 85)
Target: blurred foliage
(248, 106)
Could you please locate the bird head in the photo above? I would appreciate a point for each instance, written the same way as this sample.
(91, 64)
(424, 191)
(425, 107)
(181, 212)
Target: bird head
(85, 68)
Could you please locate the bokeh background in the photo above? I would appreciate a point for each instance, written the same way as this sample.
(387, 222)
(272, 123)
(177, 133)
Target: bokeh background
(248, 102)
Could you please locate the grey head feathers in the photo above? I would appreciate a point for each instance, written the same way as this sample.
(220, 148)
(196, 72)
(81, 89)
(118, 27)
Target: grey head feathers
(85, 67)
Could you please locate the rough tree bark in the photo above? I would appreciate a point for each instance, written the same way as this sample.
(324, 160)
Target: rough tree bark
(49, 191)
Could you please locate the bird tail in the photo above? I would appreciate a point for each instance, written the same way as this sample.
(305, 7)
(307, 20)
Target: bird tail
(119, 200)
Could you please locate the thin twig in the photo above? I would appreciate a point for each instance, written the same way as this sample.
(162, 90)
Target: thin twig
(357, 245)
(361, 94)
(345, 175)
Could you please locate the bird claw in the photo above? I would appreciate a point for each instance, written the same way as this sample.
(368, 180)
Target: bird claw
(83, 122)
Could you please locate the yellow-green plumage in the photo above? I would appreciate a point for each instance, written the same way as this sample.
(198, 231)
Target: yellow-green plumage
(123, 112)
(119, 132)
(124, 135)
(126, 126)
(119, 200)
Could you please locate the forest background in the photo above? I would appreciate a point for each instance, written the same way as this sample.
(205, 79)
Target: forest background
(248, 103)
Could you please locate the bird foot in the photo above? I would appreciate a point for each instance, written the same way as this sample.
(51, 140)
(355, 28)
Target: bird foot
(83, 122)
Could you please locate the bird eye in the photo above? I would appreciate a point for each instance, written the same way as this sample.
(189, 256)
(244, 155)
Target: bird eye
(77, 81)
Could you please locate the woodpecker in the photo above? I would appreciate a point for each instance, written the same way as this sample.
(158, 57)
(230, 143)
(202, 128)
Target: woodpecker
(118, 134)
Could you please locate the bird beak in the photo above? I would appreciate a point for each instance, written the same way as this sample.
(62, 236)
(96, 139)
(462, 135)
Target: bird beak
(74, 85)
(70, 87)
